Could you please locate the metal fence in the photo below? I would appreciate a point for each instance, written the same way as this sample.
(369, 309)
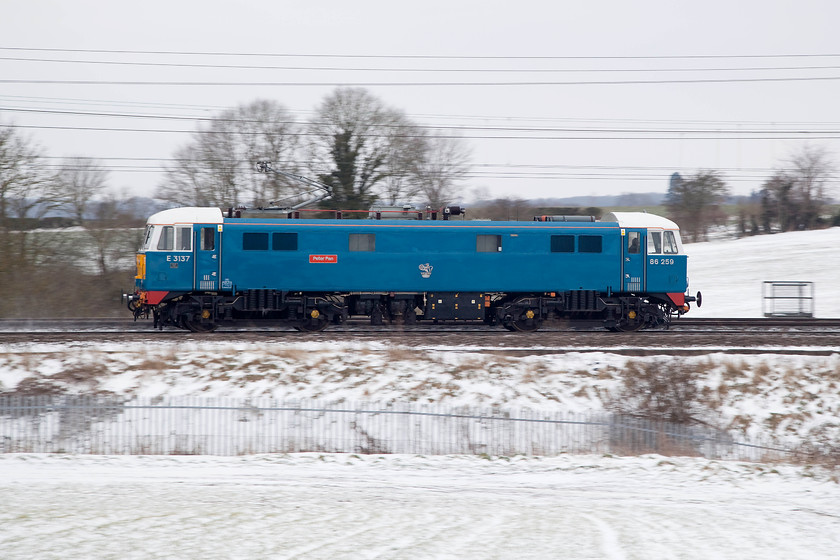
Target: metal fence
(205, 426)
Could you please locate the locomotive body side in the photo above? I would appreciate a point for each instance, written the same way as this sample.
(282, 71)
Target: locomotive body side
(198, 268)
(423, 256)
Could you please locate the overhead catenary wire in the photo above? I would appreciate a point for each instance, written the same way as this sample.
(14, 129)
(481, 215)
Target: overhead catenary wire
(344, 83)
(423, 56)
(572, 135)
(739, 131)
(541, 70)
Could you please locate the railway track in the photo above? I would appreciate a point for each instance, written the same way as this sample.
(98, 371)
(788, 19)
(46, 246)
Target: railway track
(685, 337)
(80, 325)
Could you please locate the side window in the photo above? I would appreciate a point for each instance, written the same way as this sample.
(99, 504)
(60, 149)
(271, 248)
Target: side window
(167, 239)
(362, 242)
(255, 241)
(591, 243)
(284, 241)
(669, 243)
(147, 242)
(488, 243)
(634, 242)
(208, 239)
(183, 239)
(654, 242)
(562, 243)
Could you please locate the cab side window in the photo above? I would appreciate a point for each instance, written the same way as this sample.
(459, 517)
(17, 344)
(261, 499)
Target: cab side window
(669, 242)
(208, 239)
(183, 238)
(654, 242)
(166, 242)
(634, 242)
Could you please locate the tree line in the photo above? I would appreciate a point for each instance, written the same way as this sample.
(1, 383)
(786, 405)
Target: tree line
(50, 272)
(364, 150)
(795, 198)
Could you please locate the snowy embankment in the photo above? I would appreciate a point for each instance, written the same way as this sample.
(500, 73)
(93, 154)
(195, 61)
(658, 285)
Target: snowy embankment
(784, 399)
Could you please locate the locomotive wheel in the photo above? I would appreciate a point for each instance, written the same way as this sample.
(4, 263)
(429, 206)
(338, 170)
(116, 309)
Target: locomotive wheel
(520, 318)
(526, 325)
(527, 322)
(313, 322)
(626, 326)
(312, 325)
(632, 323)
(197, 326)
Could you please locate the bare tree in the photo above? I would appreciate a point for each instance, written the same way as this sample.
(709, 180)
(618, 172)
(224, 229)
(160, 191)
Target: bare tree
(797, 197)
(353, 147)
(217, 168)
(811, 170)
(27, 192)
(439, 169)
(82, 185)
(80, 180)
(405, 151)
(694, 203)
(26, 188)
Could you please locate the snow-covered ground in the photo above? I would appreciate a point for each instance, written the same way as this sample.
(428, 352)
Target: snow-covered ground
(730, 273)
(400, 506)
(396, 506)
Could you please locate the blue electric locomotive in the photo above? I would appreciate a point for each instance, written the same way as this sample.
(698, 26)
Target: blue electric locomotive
(200, 267)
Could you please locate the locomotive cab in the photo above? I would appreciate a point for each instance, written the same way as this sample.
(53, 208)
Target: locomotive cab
(654, 261)
(180, 253)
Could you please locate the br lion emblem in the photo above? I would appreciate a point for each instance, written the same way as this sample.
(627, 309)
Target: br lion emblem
(426, 270)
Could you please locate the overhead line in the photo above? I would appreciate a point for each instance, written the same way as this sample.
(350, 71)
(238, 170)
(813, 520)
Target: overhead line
(428, 56)
(426, 126)
(417, 84)
(619, 135)
(459, 70)
(506, 118)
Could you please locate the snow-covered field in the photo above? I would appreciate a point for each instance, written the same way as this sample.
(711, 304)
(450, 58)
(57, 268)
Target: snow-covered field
(730, 273)
(396, 506)
(399, 506)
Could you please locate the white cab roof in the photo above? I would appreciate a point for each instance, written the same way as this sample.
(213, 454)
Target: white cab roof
(188, 215)
(640, 220)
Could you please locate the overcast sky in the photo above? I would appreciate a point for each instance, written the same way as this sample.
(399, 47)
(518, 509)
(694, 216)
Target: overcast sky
(555, 98)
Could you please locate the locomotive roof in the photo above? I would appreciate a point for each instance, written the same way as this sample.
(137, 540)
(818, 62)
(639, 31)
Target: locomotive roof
(640, 220)
(204, 215)
(187, 215)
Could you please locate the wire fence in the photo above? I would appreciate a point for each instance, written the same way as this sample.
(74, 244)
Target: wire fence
(207, 426)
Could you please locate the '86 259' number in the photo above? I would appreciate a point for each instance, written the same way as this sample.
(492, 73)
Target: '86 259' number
(661, 261)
